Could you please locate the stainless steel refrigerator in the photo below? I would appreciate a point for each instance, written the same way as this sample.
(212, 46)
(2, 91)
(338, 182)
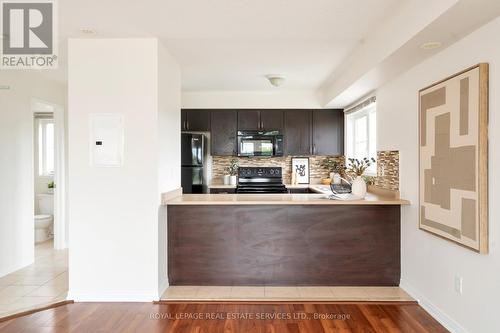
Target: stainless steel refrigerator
(193, 159)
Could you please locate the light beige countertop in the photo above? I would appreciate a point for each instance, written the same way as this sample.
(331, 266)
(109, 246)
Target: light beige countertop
(277, 199)
(287, 186)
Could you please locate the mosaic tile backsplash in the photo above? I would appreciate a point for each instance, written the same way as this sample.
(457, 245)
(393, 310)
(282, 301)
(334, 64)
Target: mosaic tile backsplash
(387, 168)
(317, 172)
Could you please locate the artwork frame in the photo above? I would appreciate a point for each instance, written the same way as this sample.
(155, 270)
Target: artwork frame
(301, 164)
(453, 158)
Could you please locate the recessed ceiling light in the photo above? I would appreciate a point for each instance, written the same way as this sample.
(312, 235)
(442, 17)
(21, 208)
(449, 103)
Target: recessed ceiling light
(431, 45)
(88, 31)
(276, 80)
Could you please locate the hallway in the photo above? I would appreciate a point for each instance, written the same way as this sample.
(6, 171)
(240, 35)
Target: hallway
(42, 283)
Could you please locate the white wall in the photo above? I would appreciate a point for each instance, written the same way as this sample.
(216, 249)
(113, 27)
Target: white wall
(16, 166)
(114, 211)
(429, 263)
(169, 171)
(41, 183)
(251, 99)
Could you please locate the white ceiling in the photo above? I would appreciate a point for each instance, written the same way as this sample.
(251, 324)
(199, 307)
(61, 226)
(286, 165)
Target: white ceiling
(232, 44)
(338, 50)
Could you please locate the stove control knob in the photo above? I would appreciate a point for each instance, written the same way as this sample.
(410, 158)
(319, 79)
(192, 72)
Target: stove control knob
(271, 171)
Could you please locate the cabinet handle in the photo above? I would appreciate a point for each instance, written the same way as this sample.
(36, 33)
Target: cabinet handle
(314, 149)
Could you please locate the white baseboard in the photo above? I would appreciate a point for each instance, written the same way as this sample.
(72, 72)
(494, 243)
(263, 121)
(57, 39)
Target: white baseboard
(163, 286)
(449, 323)
(125, 296)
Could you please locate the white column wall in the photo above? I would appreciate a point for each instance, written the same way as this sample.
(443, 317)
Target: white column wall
(114, 212)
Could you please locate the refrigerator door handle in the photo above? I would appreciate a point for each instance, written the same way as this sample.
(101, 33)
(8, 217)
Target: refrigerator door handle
(197, 149)
(202, 151)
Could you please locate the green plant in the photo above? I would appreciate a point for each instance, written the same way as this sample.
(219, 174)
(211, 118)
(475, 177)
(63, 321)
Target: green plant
(51, 185)
(232, 169)
(369, 180)
(333, 166)
(358, 167)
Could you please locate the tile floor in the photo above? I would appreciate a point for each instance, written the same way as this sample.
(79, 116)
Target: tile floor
(197, 293)
(37, 285)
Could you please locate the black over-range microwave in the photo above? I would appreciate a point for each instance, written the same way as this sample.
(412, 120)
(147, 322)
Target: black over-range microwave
(260, 143)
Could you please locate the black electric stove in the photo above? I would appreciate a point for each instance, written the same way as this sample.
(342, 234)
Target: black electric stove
(260, 180)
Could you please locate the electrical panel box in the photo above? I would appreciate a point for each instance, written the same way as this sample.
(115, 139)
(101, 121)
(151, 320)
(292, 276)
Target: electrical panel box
(106, 139)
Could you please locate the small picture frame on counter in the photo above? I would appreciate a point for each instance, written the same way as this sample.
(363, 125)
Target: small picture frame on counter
(300, 166)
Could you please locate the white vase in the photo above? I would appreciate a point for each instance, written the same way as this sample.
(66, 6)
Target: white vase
(336, 178)
(227, 179)
(232, 180)
(359, 187)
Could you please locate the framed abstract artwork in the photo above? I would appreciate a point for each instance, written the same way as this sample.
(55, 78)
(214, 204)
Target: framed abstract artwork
(453, 146)
(300, 165)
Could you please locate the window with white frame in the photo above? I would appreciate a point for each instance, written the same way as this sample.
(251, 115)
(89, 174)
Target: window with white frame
(46, 147)
(361, 134)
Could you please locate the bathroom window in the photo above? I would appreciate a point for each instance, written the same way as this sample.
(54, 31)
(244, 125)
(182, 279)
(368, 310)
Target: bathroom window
(46, 147)
(361, 133)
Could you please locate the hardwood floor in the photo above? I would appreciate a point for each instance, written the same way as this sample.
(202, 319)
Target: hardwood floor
(240, 318)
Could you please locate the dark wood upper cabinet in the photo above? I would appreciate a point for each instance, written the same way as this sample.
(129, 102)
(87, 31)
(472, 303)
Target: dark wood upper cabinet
(297, 132)
(183, 120)
(260, 120)
(271, 120)
(306, 132)
(328, 132)
(223, 132)
(195, 120)
(248, 120)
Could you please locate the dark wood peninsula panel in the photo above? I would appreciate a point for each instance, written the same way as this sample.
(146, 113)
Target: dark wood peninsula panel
(337, 245)
(223, 132)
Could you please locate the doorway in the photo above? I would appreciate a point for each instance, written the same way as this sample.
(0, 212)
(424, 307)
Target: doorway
(45, 281)
(49, 173)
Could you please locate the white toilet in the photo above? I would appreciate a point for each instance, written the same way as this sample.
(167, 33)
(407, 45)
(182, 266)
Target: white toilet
(44, 220)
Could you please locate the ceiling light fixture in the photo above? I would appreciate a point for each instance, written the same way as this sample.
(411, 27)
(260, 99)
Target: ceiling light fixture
(276, 80)
(88, 31)
(431, 45)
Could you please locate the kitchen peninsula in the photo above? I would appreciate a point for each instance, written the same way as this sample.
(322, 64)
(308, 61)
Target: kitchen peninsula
(283, 239)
